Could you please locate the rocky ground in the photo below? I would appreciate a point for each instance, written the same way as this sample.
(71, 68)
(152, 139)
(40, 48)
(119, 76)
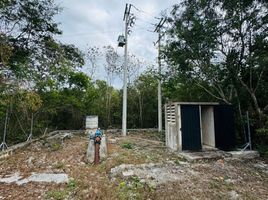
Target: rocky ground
(137, 167)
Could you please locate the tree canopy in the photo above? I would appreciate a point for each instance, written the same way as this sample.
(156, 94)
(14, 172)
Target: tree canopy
(221, 47)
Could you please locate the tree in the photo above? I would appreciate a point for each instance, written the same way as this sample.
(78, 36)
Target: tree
(135, 65)
(93, 54)
(34, 67)
(220, 47)
(27, 30)
(142, 99)
(111, 68)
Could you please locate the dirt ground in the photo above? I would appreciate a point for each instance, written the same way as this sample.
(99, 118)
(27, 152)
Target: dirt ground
(137, 167)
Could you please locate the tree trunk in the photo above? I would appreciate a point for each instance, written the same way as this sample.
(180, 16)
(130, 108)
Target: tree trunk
(140, 109)
(254, 100)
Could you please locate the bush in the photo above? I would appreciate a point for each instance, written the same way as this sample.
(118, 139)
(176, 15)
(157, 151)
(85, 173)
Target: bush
(262, 134)
(127, 145)
(56, 195)
(263, 150)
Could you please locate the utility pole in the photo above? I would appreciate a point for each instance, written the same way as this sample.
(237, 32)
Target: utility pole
(158, 30)
(124, 115)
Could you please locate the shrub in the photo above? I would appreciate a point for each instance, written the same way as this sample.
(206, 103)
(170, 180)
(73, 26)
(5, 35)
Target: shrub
(127, 145)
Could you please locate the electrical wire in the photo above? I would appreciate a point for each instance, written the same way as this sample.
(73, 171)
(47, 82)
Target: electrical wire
(87, 34)
(145, 21)
(90, 33)
(142, 11)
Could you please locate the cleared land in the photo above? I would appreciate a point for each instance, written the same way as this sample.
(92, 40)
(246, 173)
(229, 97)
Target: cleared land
(137, 167)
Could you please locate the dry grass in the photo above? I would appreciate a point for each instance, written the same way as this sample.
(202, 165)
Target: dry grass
(94, 182)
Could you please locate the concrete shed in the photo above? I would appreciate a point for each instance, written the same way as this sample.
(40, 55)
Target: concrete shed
(199, 125)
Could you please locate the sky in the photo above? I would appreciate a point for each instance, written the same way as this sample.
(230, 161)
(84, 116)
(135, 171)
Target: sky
(99, 23)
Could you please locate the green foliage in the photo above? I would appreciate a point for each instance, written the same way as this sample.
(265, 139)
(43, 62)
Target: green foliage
(5, 50)
(142, 101)
(31, 53)
(177, 162)
(40, 78)
(56, 146)
(72, 185)
(197, 49)
(262, 132)
(263, 150)
(62, 194)
(127, 145)
(59, 165)
(29, 101)
(33, 66)
(132, 189)
(217, 51)
(79, 80)
(56, 195)
(262, 137)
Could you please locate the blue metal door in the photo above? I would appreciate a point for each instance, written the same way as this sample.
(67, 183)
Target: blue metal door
(190, 127)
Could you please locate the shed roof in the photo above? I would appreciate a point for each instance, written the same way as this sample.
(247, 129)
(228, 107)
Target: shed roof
(194, 103)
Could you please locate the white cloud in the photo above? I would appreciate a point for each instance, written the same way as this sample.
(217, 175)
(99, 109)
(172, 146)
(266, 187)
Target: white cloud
(98, 23)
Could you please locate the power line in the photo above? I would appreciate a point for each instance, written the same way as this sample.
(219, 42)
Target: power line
(144, 21)
(144, 12)
(95, 33)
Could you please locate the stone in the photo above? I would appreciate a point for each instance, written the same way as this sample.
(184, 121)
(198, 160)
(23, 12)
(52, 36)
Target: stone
(230, 181)
(44, 177)
(203, 155)
(4, 155)
(262, 166)
(233, 195)
(61, 136)
(11, 178)
(152, 184)
(112, 141)
(128, 173)
(30, 161)
(244, 154)
(114, 154)
(35, 177)
(151, 173)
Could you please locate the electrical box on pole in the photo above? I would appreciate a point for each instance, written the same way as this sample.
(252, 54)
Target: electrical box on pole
(121, 40)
